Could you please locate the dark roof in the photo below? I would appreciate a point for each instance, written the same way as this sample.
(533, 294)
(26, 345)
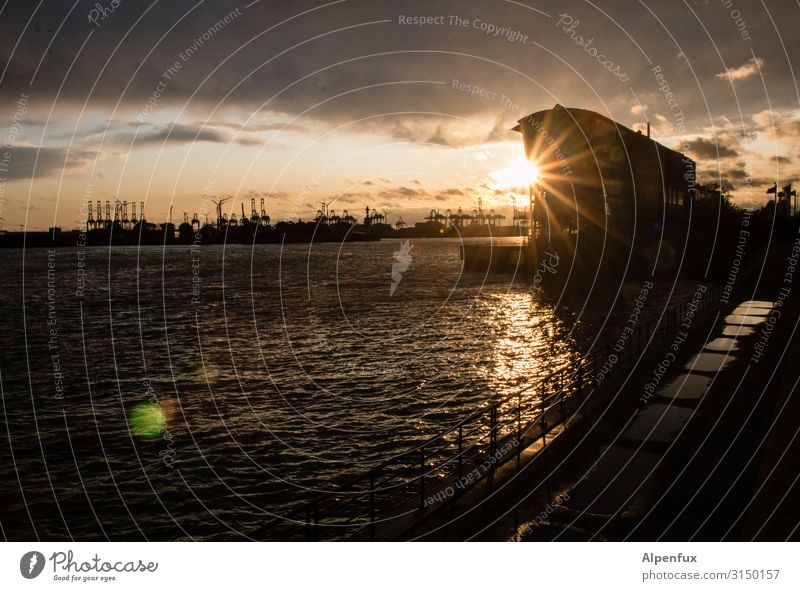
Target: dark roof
(576, 115)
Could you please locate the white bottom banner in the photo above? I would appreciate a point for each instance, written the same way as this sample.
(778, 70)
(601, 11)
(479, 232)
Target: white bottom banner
(356, 566)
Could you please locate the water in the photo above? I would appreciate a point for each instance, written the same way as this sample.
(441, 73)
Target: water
(280, 372)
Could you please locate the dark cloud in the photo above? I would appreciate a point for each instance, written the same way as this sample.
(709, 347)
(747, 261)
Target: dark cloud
(145, 135)
(350, 198)
(780, 159)
(737, 174)
(305, 63)
(705, 149)
(28, 162)
(353, 66)
(180, 134)
(248, 141)
(408, 193)
(735, 178)
(267, 195)
(762, 182)
(452, 192)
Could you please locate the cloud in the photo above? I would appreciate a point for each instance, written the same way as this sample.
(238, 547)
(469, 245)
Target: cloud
(449, 193)
(778, 124)
(29, 162)
(440, 130)
(407, 193)
(180, 134)
(403, 195)
(346, 64)
(344, 34)
(357, 197)
(661, 126)
(267, 195)
(126, 133)
(259, 127)
(251, 141)
(705, 149)
(749, 68)
(737, 174)
(353, 65)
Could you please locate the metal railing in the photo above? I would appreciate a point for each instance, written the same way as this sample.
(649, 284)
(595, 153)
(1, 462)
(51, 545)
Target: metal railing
(411, 485)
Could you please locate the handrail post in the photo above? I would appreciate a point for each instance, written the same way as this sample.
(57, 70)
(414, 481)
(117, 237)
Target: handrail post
(543, 422)
(519, 427)
(493, 430)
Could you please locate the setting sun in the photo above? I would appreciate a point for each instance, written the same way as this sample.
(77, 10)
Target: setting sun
(520, 173)
(346, 271)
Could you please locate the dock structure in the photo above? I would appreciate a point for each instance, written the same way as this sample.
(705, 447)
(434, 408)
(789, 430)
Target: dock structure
(488, 257)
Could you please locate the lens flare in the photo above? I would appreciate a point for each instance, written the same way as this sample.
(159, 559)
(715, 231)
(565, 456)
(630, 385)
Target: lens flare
(147, 420)
(520, 173)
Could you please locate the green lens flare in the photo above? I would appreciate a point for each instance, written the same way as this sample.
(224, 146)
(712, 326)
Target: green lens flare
(147, 420)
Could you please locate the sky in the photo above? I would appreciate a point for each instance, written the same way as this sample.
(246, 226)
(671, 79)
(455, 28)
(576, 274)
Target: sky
(403, 106)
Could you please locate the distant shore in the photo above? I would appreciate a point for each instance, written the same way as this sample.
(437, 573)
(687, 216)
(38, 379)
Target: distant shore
(281, 233)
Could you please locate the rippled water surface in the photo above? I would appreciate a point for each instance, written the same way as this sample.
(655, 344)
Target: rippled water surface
(279, 371)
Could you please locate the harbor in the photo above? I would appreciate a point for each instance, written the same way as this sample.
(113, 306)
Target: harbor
(525, 353)
(320, 274)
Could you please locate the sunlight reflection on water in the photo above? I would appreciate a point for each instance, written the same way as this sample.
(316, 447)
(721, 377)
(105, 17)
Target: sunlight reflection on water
(296, 367)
